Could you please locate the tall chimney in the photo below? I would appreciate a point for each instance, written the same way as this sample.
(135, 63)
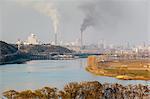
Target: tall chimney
(81, 47)
(55, 38)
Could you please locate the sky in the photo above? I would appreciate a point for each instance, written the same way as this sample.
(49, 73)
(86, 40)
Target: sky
(110, 21)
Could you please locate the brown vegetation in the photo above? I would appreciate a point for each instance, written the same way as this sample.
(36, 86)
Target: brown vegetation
(134, 69)
(84, 90)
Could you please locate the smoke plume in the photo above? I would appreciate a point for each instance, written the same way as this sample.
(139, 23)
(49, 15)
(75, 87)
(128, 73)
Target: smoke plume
(99, 12)
(45, 7)
(89, 20)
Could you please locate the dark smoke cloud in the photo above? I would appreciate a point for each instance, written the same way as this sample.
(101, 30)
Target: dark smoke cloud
(89, 20)
(100, 12)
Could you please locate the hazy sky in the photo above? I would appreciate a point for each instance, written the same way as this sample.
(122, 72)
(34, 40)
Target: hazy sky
(114, 21)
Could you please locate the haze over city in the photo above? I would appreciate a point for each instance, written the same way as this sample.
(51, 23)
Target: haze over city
(74, 49)
(114, 21)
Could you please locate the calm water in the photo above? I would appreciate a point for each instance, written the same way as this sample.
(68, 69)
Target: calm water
(55, 73)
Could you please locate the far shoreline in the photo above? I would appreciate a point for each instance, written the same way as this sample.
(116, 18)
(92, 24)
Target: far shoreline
(122, 77)
(135, 69)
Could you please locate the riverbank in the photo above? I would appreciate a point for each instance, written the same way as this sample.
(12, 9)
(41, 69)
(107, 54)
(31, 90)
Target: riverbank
(84, 90)
(113, 73)
(17, 61)
(120, 69)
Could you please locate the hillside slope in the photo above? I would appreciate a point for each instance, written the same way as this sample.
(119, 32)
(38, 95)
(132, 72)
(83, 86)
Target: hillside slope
(7, 48)
(38, 49)
(9, 54)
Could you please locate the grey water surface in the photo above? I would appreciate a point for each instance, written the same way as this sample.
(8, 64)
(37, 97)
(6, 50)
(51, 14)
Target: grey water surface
(52, 73)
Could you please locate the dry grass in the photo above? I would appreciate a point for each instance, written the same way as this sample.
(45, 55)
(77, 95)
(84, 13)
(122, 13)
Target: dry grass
(134, 69)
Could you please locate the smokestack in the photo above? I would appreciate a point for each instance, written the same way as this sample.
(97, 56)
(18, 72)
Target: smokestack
(45, 7)
(81, 47)
(55, 38)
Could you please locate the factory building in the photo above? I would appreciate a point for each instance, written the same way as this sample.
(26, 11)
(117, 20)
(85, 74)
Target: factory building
(32, 39)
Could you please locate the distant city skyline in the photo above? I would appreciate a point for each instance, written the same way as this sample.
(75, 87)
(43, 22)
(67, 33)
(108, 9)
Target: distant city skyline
(118, 21)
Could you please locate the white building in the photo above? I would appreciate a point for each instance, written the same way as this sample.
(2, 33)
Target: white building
(32, 39)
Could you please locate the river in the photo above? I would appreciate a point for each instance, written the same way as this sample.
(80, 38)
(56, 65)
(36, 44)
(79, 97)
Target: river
(55, 73)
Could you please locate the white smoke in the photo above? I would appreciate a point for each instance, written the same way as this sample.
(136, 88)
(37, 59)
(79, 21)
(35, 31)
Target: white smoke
(45, 7)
